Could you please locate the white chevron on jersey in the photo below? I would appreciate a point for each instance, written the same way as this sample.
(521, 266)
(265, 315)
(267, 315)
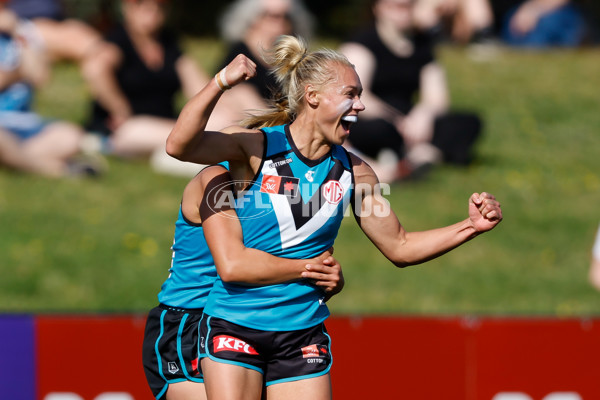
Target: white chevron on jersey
(290, 234)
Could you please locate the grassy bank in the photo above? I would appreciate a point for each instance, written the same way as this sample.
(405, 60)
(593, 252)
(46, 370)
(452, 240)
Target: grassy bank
(103, 245)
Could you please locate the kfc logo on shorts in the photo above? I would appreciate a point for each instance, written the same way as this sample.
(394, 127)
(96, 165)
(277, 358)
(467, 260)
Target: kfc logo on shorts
(228, 343)
(314, 350)
(333, 192)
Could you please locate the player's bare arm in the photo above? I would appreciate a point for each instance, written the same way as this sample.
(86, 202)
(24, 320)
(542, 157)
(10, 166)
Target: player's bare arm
(404, 248)
(188, 141)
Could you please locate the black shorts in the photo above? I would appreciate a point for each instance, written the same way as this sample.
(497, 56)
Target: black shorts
(280, 356)
(170, 349)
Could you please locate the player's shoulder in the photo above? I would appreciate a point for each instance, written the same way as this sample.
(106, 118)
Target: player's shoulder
(233, 129)
(363, 173)
(209, 173)
(357, 162)
(204, 177)
(209, 179)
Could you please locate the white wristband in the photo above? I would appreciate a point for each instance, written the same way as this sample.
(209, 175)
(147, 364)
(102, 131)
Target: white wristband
(224, 78)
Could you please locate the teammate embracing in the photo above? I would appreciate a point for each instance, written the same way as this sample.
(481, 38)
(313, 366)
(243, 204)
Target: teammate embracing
(170, 348)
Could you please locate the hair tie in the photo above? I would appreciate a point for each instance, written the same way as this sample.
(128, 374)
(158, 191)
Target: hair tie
(303, 56)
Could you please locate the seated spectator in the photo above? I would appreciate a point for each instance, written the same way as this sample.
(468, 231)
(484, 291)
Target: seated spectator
(251, 26)
(135, 84)
(63, 39)
(545, 23)
(397, 65)
(463, 21)
(29, 142)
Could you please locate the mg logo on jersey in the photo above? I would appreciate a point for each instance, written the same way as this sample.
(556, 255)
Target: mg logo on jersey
(333, 192)
(228, 343)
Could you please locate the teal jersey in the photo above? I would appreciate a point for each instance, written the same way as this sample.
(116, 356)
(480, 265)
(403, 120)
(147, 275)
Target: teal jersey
(293, 208)
(192, 271)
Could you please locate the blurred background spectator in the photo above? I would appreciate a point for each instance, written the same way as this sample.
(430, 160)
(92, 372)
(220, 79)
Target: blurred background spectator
(251, 26)
(462, 21)
(135, 83)
(29, 142)
(544, 23)
(407, 123)
(595, 264)
(62, 38)
(248, 26)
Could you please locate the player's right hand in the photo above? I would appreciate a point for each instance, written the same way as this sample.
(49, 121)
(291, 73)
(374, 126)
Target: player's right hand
(240, 69)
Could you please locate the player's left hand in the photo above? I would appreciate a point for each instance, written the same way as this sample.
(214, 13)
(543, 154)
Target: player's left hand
(328, 276)
(484, 211)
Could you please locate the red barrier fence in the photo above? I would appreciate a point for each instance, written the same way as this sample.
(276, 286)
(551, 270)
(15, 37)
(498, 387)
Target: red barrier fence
(462, 358)
(466, 358)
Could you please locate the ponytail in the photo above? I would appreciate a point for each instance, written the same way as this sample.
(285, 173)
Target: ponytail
(293, 67)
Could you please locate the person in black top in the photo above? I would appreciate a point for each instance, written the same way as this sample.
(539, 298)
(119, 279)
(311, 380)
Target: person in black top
(134, 86)
(148, 82)
(407, 102)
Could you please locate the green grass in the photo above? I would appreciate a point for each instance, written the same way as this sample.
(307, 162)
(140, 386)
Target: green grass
(103, 245)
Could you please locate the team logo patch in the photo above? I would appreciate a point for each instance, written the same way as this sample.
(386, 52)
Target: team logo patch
(314, 350)
(309, 176)
(333, 192)
(172, 366)
(273, 184)
(229, 343)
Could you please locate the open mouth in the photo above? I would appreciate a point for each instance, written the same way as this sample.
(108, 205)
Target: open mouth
(348, 120)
